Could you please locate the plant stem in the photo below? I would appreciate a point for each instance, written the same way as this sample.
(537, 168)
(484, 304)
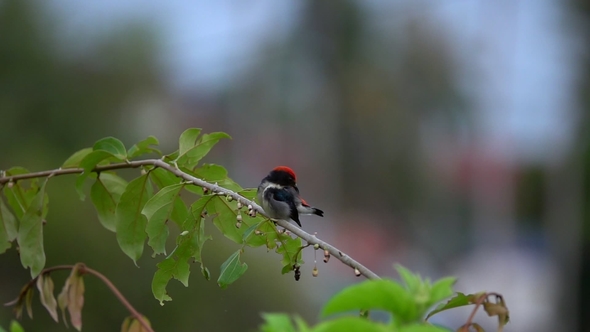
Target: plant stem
(478, 303)
(121, 298)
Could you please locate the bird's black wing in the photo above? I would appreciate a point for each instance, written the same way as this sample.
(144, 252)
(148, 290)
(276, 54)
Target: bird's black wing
(284, 195)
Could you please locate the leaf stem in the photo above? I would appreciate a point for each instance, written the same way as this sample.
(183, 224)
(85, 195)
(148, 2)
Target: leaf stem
(121, 298)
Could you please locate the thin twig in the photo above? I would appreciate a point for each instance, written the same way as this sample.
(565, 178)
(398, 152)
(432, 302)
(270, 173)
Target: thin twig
(121, 298)
(480, 300)
(465, 327)
(214, 188)
(105, 280)
(63, 171)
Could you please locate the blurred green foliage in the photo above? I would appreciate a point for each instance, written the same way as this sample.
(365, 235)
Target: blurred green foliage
(406, 303)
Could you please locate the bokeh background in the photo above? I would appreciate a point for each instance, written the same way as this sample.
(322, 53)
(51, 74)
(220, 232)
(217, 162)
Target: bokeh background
(449, 136)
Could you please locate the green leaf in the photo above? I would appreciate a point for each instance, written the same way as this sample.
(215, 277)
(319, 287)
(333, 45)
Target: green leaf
(105, 194)
(282, 323)
(301, 324)
(74, 160)
(188, 139)
(88, 163)
(179, 211)
(106, 148)
(268, 234)
(441, 289)
(171, 156)
(131, 223)
(425, 295)
(8, 228)
(458, 300)
(424, 327)
(15, 327)
(350, 324)
(158, 210)
(168, 268)
(250, 231)
(16, 170)
(381, 294)
(144, 147)
(19, 195)
(45, 287)
(277, 323)
(216, 174)
(418, 288)
(196, 238)
(231, 270)
(224, 215)
(162, 178)
(30, 233)
(111, 145)
(188, 245)
(248, 193)
(290, 250)
(94, 158)
(194, 154)
(412, 281)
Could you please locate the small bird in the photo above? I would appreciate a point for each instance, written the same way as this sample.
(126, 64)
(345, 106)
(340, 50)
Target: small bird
(279, 196)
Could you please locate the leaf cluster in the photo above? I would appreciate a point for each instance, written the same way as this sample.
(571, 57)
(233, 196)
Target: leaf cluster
(147, 208)
(70, 299)
(407, 304)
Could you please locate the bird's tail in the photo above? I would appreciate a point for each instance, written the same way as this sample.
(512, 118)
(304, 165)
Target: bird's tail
(318, 212)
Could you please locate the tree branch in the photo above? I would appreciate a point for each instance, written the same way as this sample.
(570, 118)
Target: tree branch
(214, 188)
(84, 269)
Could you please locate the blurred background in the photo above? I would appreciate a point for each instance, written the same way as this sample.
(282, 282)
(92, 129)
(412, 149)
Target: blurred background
(449, 136)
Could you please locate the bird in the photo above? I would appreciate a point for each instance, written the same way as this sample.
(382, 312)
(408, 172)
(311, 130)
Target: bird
(279, 196)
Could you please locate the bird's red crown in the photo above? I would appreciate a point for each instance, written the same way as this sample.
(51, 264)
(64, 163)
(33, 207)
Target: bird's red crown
(287, 170)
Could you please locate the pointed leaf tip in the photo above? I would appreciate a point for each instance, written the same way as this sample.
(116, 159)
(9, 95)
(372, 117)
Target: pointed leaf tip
(111, 145)
(8, 227)
(74, 160)
(158, 210)
(30, 233)
(231, 270)
(144, 147)
(131, 223)
(105, 194)
(45, 287)
(192, 150)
